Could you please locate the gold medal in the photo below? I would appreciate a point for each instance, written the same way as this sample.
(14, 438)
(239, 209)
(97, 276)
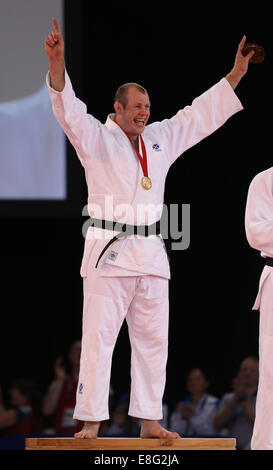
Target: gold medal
(146, 182)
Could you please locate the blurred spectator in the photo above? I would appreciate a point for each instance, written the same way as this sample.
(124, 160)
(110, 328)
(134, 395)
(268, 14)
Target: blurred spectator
(120, 424)
(194, 415)
(59, 400)
(236, 414)
(23, 417)
(123, 425)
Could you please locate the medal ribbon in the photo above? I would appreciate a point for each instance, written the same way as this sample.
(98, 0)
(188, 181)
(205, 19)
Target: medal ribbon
(143, 161)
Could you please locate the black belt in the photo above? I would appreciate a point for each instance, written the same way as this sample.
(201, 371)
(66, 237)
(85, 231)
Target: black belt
(269, 261)
(124, 230)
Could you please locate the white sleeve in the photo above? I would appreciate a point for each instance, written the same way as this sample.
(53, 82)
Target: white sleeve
(80, 127)
(207, 113)
(259, 213)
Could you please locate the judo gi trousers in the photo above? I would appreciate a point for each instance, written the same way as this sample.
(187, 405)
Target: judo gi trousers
(143, 301)
(262, 438)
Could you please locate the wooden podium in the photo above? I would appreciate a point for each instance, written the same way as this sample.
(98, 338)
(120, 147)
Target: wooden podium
(136, 444)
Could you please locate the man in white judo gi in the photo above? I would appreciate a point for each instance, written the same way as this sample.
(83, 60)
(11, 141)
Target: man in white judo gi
(259, 232)
(126, 163)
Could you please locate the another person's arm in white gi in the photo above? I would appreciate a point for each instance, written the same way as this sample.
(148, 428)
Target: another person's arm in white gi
(259, 213)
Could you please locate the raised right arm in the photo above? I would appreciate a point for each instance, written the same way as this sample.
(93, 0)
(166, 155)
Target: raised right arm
(54, 47)
(81, 128)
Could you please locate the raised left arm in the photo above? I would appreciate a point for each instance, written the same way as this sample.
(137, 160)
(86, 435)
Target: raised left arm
(240, 67)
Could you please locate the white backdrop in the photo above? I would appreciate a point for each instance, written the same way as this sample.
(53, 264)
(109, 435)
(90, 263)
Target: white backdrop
(32, 145)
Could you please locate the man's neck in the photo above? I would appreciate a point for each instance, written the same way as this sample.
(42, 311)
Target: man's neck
(134, 141)
(134, 138)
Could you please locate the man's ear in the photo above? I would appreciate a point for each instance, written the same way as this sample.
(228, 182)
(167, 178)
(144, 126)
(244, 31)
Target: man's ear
(118, 107)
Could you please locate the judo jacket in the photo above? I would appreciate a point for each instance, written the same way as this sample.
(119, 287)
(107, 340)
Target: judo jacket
(113, 171)
(259, 221)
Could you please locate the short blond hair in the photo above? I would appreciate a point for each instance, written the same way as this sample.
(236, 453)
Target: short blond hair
(121, 94)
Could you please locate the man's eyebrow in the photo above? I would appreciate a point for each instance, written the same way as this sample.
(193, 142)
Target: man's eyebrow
(139, 103)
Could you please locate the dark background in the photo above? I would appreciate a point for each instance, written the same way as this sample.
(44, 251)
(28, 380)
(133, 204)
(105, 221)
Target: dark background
(176, 54)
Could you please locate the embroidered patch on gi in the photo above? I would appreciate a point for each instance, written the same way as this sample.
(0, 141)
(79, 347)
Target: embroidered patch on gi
(113, 255)
(156, 148)
(80, 388)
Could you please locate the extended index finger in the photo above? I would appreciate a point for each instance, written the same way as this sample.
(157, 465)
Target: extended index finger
(242, 43)
(56, 25)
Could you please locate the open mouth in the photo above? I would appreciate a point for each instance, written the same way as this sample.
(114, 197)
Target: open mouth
(139, 122)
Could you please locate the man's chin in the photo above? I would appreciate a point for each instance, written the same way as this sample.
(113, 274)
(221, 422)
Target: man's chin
(139, 130)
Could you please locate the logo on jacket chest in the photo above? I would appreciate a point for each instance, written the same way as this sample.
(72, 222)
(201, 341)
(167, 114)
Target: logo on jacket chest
(157, 148)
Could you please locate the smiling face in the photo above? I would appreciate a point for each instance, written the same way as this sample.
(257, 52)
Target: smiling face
(133, 116)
